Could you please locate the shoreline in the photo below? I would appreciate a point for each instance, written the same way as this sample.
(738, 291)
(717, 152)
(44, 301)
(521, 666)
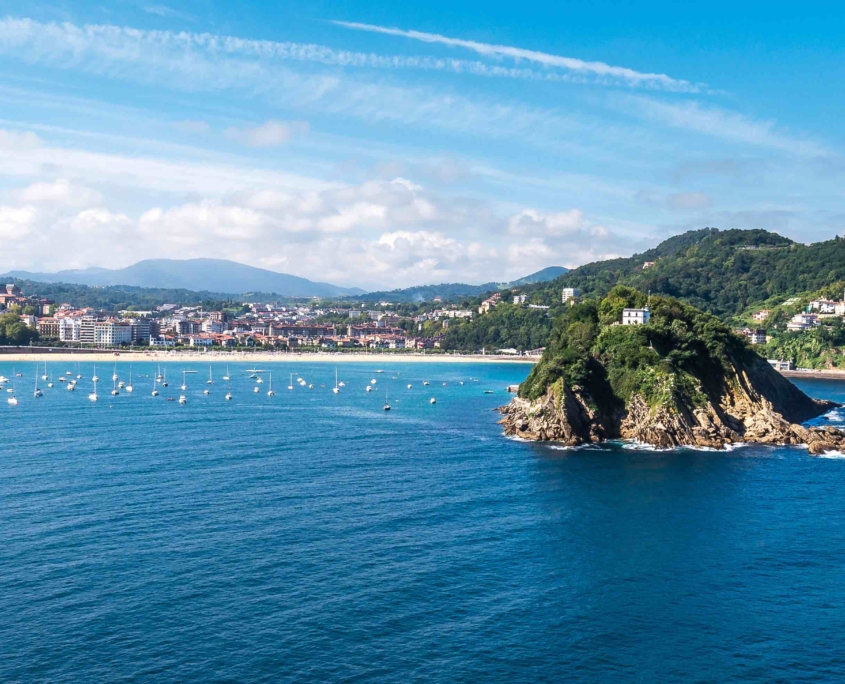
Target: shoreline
(243, 357)
(819, 374)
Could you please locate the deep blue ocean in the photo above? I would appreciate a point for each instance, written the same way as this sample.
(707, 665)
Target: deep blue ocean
(314, 537)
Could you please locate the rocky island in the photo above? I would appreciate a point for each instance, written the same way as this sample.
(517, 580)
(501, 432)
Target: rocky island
(670, 376)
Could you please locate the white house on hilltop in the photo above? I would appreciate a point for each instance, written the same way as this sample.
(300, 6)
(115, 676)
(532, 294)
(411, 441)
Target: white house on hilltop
(635, 316)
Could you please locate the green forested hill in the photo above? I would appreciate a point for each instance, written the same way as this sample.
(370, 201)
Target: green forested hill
(723, 272)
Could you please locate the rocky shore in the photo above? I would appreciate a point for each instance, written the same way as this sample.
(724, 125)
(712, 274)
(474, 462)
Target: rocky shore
(741, 415)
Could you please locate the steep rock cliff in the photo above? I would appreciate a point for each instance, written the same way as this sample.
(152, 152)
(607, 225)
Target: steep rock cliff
(682, 380)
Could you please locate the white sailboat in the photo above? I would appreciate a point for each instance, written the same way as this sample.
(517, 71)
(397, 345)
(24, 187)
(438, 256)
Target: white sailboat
(164, 380)
(49, 384)
(290, 387)
(158, 374)
(386, 402)
(129, 387)
(78, 372)
(336, 389)
(229, 393)
(37, 393)
(270, 392)
(43, 377)
(71, 386)
(184, 382)
(155, 389)
(210, 379)
(114, 375)
(94, 378)
(13, 400)
(226, 377)
(114, 390)
(93, 395)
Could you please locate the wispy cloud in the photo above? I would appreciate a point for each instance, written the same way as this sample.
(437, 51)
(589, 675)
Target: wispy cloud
(203, 62)
(720, 123)
(51, 40)
(197, 62)
(168, 12)
(594, 69)
(268, 134)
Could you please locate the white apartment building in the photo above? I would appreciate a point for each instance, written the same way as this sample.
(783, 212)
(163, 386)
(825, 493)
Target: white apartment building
(570, 293)
(825, 306)
(520, 299)
(635, 316)
(800, 322)
(70, 329)
(112, 333)
(755, 336)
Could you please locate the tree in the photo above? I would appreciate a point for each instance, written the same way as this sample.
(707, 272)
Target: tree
(14, 332)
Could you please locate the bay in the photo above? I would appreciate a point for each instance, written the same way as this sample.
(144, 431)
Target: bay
(315, 537)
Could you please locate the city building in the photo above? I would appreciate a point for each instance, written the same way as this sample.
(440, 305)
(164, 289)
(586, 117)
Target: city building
(761, 315)
(636, 316)
(825, 306)
(755, 336)
(70, 329)
(802, 321)
(570, 294)
(520, 299)
(48, 327)
(112, 333)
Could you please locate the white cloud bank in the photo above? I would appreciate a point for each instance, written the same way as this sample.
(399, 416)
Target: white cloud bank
(376, 234)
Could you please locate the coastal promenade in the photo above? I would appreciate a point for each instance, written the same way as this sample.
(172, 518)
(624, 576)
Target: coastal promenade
(825, 374)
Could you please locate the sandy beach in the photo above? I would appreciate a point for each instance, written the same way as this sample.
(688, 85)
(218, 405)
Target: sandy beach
(85, 356)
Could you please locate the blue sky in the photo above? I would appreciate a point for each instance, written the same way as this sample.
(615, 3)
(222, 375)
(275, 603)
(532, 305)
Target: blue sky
(387, 144)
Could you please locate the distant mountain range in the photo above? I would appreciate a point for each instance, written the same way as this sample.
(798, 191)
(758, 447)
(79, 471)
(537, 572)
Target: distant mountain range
(426, 293)
(231, 277)
(212, 275)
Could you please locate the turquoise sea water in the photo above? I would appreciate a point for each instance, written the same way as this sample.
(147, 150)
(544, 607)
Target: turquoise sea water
(314, 537)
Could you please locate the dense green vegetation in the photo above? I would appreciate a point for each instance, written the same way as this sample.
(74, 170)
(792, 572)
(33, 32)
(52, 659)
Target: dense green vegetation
(122, 297)
(453, 291)
(682, 354)
(822, 347)
(729, 273)
(506, 326)
(14, 332)
(723, 272)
